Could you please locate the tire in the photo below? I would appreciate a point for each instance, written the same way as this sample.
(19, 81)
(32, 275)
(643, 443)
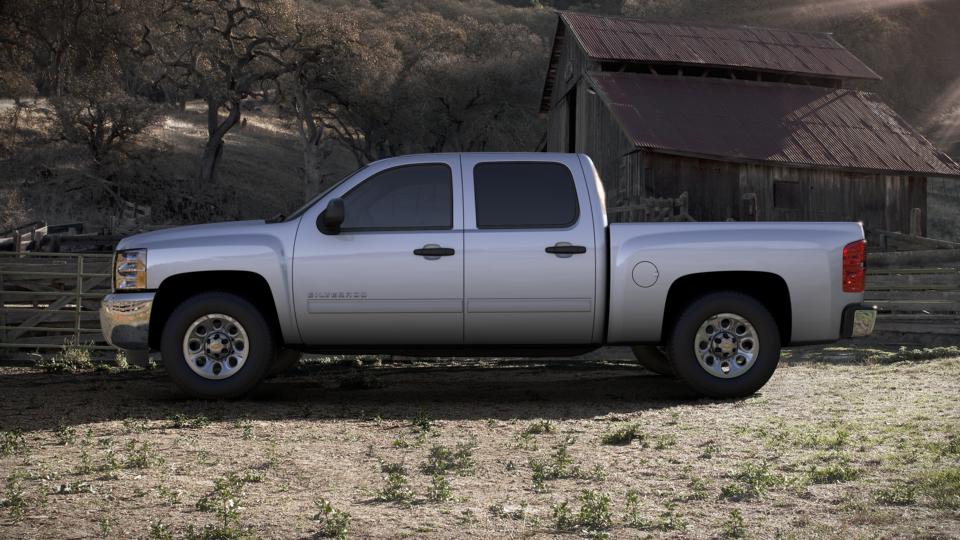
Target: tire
(286, 359)
(703, 370)
(652, 358)
(254, 338)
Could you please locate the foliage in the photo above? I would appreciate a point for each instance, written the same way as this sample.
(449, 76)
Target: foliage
(100, 115)
(332, 523)
(623, 434)
(72, 358)
(592, 518)
(442, 459)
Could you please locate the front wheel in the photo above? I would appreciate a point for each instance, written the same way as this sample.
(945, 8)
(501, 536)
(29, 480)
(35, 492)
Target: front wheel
(725, 345)
(217, 345)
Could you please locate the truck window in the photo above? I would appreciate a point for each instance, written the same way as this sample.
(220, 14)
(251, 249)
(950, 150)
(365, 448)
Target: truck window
(525, 195)
(410, 197)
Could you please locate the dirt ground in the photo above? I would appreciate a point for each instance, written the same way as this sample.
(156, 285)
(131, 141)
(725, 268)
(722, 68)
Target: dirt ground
(833, 447)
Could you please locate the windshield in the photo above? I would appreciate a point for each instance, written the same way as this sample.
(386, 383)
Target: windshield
(299, 211)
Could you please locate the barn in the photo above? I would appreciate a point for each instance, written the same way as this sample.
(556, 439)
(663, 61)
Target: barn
(742, 123)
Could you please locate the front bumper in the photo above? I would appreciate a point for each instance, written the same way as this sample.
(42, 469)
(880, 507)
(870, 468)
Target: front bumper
(858, 321)
(125, 320)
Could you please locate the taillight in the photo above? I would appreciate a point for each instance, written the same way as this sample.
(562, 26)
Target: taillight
(854, 266)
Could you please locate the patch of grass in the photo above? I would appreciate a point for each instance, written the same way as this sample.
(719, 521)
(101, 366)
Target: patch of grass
(540, 427)
(65, 433)
(439, 490)
(593, 518)
(332, 523)
(943, 488)
(734, 526)
(182, 421)
(141, 455)
(396, 484)
(665, 441)
(623, 434)
(442, 459)
(916, 355)
(710, 450)
(159, 531)
(504, 511)
(14, 497)
(899, 494)
(246, 428)
(226, 502)
(837, 470)
(12, 443)
(753, 481)
(74, 488)
(421, 423)
(134, 425)
(72, 358)
(560, 465)
(668, 520)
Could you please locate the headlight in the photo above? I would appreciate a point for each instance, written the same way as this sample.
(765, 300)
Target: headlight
(130, 270)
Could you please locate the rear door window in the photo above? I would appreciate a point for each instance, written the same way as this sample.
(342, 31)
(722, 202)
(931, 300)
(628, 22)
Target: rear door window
(525, 195)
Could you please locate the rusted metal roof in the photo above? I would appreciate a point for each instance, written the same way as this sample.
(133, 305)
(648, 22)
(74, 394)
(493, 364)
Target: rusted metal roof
(742, 47)
(784, 124)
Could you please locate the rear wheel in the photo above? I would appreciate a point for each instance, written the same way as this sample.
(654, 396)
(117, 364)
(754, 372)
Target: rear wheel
(725, 345)
(217, 345)
(652, 358)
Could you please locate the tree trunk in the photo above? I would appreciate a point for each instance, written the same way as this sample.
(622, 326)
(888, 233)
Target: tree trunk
(216, 131)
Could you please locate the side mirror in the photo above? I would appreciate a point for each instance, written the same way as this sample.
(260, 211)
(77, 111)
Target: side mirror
(330, 219)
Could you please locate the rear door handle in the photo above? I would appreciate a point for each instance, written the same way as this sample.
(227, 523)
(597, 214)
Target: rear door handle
(433, 251)
(561, 249)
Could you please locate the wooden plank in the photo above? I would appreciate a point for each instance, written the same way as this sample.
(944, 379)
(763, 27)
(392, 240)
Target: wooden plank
(54, 346)
(901, 327)
(911, 271)
(93, 337)
(878, 296)
(894, 281)
(915, 306)
(914, 259)
(921, 317)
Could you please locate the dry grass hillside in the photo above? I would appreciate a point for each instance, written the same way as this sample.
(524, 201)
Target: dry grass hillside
(59, 182)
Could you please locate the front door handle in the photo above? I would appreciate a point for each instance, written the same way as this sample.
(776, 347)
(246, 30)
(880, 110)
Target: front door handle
(433, 251)
(562, 249)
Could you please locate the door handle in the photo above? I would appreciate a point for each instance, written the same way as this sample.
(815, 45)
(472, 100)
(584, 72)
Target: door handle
(561, 249)
(433, 251)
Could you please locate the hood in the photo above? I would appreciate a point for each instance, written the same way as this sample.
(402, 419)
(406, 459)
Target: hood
(191, 232)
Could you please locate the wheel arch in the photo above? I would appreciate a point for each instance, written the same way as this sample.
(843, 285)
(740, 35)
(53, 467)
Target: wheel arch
(768, 288)
(175, 289)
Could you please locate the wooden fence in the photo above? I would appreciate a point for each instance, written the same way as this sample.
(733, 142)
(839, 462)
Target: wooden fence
(47, 299)
(918, 295)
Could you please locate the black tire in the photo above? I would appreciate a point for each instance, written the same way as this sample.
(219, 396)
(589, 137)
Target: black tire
(652, 358)
(682, 340)
(286, 359)
(262, 347)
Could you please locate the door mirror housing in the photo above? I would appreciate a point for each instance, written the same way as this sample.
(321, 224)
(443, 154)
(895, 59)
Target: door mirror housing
(330, 219)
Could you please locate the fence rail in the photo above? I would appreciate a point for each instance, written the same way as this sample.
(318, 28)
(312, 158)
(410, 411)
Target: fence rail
(917, 294)
(47, 299)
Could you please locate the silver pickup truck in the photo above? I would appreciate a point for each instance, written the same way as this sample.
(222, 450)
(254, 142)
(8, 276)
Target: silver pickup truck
(506, 254)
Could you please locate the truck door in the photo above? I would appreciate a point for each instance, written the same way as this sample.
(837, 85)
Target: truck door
(530, 266)
(394, 273)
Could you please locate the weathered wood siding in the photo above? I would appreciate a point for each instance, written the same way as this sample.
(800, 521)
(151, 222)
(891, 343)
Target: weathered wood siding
(717, 190)
(572, 66)
(599, 136)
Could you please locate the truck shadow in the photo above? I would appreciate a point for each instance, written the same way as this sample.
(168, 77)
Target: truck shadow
(448, 390)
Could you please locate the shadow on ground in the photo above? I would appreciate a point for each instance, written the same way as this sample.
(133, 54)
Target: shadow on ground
(443, 390)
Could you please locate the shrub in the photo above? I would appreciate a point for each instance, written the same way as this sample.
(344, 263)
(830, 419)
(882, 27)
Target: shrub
(332, 522)
(72, 358)
(442, 459)
(623, 434)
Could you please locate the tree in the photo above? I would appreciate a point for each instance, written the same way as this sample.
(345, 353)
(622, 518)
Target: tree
(221, 51)
(97, 113)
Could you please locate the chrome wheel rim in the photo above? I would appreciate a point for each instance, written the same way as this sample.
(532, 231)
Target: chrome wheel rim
(215, 346)
(726, 345)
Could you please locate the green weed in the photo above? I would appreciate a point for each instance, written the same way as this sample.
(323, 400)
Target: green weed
(333, 523)
(623, 434)
(442, 459)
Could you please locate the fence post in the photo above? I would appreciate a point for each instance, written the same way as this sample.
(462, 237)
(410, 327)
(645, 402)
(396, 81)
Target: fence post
(76, 326)
(916, 222)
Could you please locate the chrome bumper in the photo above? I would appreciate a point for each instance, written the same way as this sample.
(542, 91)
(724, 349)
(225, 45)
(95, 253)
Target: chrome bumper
(858, 321)
(125, 320)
